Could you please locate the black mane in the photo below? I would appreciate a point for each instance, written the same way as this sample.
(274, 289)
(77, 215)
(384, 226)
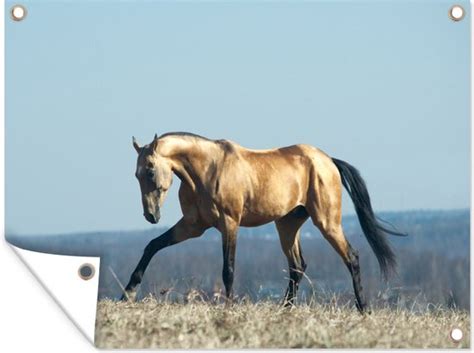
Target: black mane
(181, 133)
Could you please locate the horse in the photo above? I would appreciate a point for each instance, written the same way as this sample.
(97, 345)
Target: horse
(227, 186)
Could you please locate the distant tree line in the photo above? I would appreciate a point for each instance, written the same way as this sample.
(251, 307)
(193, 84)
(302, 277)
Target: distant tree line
(433, 262)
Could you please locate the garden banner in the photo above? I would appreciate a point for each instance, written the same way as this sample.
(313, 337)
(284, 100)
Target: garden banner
(244, 174)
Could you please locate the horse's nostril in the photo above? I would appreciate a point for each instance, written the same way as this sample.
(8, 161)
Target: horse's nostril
(150, 217)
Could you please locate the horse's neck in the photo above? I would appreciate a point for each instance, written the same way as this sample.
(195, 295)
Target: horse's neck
(191, 160)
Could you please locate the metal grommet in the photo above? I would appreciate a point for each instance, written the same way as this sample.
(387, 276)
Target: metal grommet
(86, 271)
(456, 334)
(456, 13)
(18, 12)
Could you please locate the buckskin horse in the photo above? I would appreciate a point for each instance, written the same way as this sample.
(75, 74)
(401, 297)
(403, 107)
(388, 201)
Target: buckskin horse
(224, 185)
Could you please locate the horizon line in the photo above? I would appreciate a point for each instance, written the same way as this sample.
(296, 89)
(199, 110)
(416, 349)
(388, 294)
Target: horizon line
(166, 226)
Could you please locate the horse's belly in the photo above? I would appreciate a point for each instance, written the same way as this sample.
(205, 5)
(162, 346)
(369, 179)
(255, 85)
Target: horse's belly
(271, 203)
(258, 216)
(255, 220)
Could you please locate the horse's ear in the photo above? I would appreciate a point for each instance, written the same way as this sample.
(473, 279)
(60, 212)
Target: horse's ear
(155, 142)
(135, 145)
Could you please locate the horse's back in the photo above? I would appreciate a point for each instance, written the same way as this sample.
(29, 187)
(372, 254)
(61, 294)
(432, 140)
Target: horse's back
(302, 154)
(308, 166)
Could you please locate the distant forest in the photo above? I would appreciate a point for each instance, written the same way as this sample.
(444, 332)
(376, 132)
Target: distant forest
(433, 261)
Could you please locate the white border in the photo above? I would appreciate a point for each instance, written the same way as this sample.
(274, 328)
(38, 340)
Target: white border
(30, 320)
(472, 150)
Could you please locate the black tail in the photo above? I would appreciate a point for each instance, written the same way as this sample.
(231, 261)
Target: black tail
(373, 230)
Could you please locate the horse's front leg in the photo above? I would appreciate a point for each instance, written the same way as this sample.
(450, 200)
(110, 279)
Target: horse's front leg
(176, 234)
(228, 228)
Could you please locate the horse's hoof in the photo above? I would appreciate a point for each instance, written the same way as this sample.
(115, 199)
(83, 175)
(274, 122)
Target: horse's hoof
(129, 296)
(363, 309)
(229, 301)
(289, 303)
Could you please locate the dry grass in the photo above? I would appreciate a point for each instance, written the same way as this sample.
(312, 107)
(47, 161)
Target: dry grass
(198, 324)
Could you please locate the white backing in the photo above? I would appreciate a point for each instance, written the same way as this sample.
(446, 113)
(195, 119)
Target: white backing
(59, 276)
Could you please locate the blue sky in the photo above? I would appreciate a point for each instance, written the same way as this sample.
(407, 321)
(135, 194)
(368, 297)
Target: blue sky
(382, 85)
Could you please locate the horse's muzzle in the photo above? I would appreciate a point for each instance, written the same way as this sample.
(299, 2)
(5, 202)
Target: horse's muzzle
(152, 218)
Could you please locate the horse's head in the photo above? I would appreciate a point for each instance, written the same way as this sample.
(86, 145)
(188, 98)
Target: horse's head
(155, 177)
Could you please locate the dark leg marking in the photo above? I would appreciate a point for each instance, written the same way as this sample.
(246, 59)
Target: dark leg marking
(288, 229)
(176, 234)
(296, 274)
(164, 240)
(354, 269)
(228, 245)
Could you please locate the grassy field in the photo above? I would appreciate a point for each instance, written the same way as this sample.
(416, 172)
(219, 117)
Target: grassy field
(197, 324)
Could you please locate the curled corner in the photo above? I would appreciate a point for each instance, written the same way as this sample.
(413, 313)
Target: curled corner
(60, 276)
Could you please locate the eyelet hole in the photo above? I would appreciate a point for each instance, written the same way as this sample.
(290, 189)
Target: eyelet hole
(18, 12)
(456, 13)
(86, 271)
(456, 334)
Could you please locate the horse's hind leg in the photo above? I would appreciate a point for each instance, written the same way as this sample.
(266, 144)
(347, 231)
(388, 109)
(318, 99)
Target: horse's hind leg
(289, 230)
(332, 231)
(351, 259)
(324, 208)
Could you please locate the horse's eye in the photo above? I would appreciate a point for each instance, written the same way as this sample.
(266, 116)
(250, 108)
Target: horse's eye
(150, 173)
